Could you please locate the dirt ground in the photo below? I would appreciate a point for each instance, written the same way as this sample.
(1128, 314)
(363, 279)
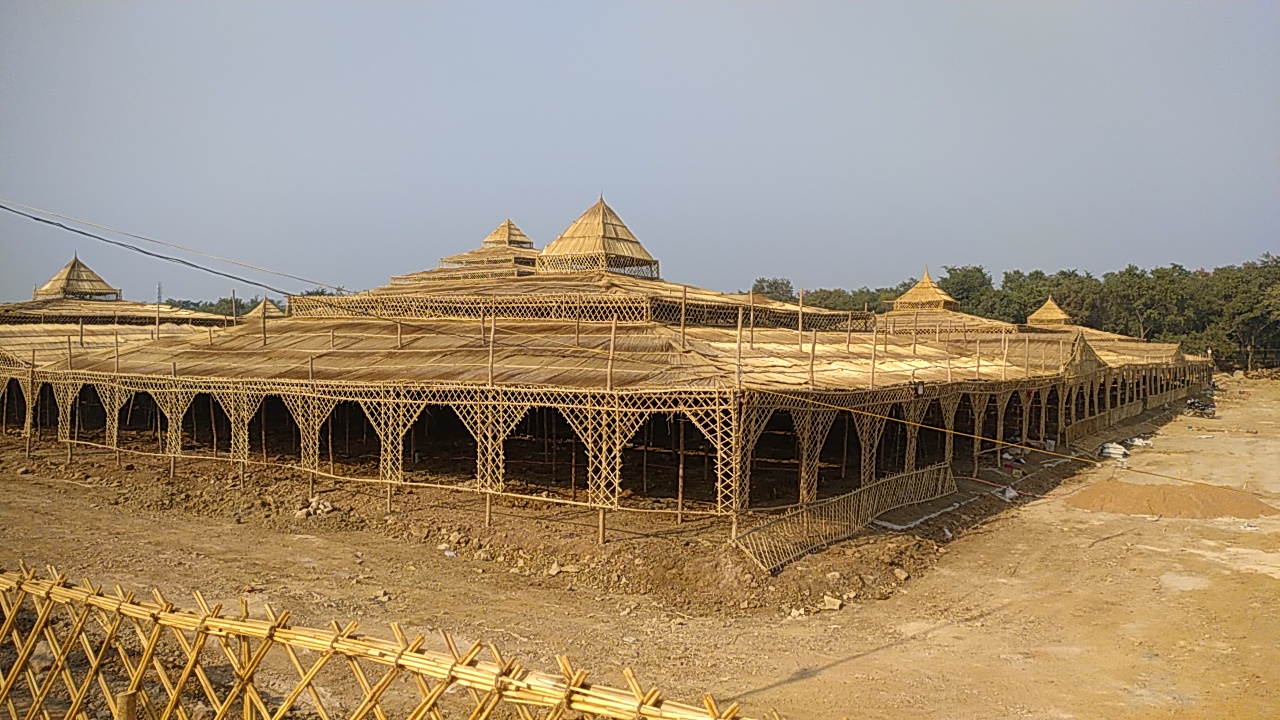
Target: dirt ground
(1119, 595)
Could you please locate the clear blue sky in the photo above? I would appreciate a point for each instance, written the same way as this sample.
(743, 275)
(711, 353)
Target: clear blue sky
(838, 144)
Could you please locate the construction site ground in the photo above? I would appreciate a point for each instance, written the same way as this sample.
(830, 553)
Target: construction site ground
(1115, 595)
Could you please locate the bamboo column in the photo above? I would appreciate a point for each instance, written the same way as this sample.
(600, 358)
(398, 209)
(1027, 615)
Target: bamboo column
(800, 322)
(680, 474)
(875, 331)
(738, 359)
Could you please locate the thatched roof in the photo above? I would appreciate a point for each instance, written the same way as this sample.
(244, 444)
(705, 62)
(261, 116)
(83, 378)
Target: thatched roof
(271, 309)
(1049, 314)
(598, 240)
(48, 341)
(76, 280)
(925, 295)
(506, 252)
(102, 312)
(507, 235)
(575, 356)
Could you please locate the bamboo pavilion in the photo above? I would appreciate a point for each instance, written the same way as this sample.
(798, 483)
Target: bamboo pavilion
(588, 350)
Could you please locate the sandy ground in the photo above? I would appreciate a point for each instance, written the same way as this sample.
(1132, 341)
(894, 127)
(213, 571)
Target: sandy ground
(1042, 610)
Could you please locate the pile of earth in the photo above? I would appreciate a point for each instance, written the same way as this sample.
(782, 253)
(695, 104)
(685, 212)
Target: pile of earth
(1174, 501)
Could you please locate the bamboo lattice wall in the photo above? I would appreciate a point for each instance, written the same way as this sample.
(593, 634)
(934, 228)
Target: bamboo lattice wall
(79, 653)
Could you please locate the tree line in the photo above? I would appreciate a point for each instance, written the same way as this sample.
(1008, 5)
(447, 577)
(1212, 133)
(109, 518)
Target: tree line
(222, 306)
(1232, 311)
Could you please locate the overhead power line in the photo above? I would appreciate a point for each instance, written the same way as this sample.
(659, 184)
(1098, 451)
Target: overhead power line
(149, 253)
(162, 243)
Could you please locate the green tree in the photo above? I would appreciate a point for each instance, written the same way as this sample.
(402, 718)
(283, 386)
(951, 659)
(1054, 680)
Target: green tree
(779, 289)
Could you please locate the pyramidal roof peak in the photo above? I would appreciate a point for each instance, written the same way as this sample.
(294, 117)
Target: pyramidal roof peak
(76, 280)
(598, 240)
(924, 295)
(507, 234)
(1049, 314)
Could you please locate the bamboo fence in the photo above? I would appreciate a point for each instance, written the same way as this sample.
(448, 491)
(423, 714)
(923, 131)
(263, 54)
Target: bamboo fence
(79, 653)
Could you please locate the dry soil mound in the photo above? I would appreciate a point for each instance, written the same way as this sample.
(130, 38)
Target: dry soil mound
(1178, 501)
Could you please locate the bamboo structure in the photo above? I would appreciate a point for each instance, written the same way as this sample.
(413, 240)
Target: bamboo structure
(608, 349)
(73, 648)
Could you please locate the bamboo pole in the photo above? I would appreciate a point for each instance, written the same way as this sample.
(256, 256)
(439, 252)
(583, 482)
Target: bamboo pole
(844, 455)
(233, 306)
(644, 459)
(813, 354)
(71, 410)
(738, 359)
(493, 332)
(488, 509)
(262, 426)
(680, 475)
(684, 302)
(213, 427)
(800, 322)
(915, 330)
(1026, 356)
(573, 467)
(31, 401)
(875, 330)
(751, 304)
(600, 527)
(173, 459)
(613, 339)
(81, 332)
(399, 336)
(848, 333)
(977, 359)
(331, 339)
(264, 322)
(311, 377)
(1004, 357)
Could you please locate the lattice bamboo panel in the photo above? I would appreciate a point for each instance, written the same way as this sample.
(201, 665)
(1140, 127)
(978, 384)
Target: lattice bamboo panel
(778, 541)
(78, 653)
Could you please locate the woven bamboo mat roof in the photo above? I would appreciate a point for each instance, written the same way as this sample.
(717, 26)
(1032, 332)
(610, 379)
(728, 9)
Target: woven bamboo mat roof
(647, 356)
(76, 280)
(442, 351)
(927, 320)
(101, 311)
(492, 254)
(1049, 314)
(49, 340)
(585, 283)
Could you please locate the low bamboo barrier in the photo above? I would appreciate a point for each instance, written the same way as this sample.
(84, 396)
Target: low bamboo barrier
(76, 652)
(778, 541)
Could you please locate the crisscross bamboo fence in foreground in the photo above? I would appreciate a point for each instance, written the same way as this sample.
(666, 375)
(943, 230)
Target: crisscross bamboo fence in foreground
(778, 541)
(78, 653)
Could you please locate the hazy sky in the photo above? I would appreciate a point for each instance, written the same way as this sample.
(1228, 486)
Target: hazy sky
(839, 144)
